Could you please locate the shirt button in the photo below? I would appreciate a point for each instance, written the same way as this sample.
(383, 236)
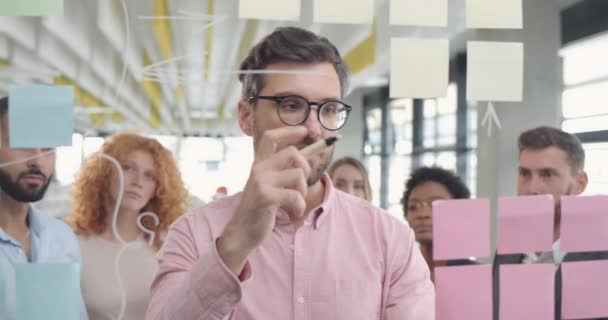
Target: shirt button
(291, 247)
(301, 299)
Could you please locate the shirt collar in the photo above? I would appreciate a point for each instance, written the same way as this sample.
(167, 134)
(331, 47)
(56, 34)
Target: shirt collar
(33, 218)
(555, 255)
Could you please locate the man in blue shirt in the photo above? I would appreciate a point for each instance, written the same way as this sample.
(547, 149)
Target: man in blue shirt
(26, 235)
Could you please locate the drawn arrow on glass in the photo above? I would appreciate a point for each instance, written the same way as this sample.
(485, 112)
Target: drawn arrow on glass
(491, 118)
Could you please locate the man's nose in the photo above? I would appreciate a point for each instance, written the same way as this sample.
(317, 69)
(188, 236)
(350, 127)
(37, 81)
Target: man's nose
(312, 123)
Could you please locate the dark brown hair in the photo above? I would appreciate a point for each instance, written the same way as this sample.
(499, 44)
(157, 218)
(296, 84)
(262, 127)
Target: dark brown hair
(544, 137)
(289, 44)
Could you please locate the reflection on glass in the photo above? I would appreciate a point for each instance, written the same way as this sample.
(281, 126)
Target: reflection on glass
(447, 125)
(400, 168)
(401, 111)
(471, 180)
(375, 174)
(429, 108)
(597, 123)
(447, 160)
(68, 160)
(595, 166)
(403, 147)
(449, 104)
(428, 159)
(585, 101)
(586, 60)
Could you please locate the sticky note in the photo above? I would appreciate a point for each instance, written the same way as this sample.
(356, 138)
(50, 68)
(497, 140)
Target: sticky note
(343, 11)
(463, 292)
(461, 229)
(48, 291)
(495, 71)
(527, 292)
(584, 224)
(41, 116)
(426, 13)
(494, 14)
(270, 9)
(31, 8)
(419, 68)
(584, 289)
(525, 224)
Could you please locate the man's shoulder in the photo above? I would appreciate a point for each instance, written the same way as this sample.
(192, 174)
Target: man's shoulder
(365, 212)
(58, 241)
(215, 212)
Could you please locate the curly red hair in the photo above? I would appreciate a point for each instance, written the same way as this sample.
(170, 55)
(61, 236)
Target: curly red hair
(91, 202)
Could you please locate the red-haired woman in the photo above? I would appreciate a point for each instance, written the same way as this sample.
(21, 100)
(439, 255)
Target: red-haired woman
(118, 288)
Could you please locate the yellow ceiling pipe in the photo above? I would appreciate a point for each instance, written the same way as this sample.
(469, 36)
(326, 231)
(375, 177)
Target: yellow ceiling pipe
(162, 29)
(251, 28)
(152, 89)
(85, 98)
(364, 54)
(208, 39)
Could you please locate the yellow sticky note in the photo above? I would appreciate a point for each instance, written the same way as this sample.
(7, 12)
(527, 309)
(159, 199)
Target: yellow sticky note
(419, 68)
(428, 13)
(270, 9)
(495, 71)
(494, 14)
(344, 11)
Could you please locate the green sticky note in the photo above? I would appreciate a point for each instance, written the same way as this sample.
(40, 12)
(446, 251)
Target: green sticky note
(31, 7)
(40, 116)
(48, 291)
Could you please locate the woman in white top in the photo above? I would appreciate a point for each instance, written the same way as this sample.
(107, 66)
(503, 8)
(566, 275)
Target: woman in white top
(152, 183)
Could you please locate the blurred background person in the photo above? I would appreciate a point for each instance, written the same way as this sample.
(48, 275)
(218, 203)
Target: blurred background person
(424, 186)
(349, 175)
(221, 192)
(152, 183)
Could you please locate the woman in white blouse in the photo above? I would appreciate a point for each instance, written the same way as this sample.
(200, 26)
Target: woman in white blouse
(118, 264)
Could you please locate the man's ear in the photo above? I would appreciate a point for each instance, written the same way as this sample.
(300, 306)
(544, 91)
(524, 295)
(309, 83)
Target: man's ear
(581, 182)
(245, 114)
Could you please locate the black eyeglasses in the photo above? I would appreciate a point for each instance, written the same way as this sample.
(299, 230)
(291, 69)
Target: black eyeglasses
(293, 110)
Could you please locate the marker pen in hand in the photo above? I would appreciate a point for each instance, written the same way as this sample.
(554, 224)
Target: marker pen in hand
(319, 146)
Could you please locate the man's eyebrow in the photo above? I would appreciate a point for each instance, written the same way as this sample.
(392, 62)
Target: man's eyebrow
(291, 93)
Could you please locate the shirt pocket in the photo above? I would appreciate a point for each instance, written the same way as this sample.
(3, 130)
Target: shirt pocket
(358, 299)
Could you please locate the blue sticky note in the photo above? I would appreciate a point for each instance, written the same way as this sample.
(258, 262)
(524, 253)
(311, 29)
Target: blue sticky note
(41, 116)
(31, 8)
(48, 291)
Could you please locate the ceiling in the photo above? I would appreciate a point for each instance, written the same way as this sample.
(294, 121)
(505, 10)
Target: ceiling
(170, 66)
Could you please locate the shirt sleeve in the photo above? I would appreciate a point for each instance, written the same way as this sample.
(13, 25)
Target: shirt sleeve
(411, 294)
(191, 283)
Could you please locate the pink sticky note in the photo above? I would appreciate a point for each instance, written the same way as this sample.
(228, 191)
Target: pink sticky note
(584, 223)
(584, 289)
(461, 229)
(525, 224)
(527, 292)
(463, 292)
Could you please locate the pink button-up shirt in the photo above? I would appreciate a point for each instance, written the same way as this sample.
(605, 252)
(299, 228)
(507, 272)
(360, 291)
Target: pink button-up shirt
(349, 260)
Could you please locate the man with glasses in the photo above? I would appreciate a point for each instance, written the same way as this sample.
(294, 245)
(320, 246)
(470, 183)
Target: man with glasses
(291, 246)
